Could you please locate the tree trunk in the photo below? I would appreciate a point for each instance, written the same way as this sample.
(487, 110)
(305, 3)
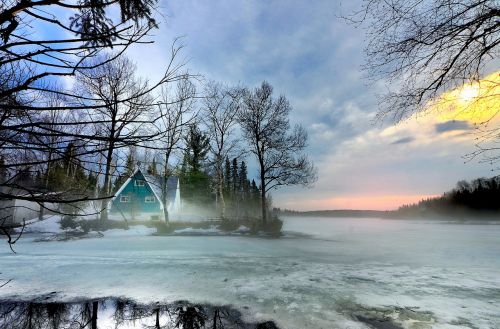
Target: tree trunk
(46, 185)
(220, 188)
(216, 314)
(106, 193)
(94, 314)
(263, 199)
(157, 325)
(41, 212)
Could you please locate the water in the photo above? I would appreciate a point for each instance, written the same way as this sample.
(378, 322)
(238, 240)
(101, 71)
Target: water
(325, 273)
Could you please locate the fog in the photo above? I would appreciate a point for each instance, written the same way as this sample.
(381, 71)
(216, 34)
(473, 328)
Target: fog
(324, 273)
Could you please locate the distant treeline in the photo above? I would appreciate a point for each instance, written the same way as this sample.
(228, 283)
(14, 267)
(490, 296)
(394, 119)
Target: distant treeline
(479, 198)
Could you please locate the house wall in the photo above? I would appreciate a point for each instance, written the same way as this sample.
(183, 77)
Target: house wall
(15, 211)
(137, 208)
(7, 212)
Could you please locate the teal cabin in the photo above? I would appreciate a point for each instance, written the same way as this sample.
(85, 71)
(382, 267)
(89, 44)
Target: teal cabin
(141, 197)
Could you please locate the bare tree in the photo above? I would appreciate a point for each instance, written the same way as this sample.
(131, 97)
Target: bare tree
(221, 107)
(116, 121)
(276, 146)
(177, 112)
(30, 63)
(425, 47)
(122, 110)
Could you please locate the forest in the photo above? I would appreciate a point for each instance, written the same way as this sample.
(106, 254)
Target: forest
(479, 197)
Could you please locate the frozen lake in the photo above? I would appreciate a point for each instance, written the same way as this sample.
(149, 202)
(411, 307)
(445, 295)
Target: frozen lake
(322, 274)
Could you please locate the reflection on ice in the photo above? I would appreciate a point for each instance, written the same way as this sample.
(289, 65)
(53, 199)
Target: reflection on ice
(119, 314)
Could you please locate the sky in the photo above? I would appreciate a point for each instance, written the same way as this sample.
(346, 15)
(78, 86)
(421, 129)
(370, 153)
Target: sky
(314, 58)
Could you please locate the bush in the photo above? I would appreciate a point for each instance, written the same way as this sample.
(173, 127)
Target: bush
(272, 227)
(85, 226)
(68, 222)
(229, 225)
(163, 228)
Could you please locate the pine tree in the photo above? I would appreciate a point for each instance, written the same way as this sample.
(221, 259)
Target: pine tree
(234, 178)
(195, 181)
(152, 169)
(243, 180)
(227, 176)
(129, 171)
(130, 165)
(197, 147)
(68, 158)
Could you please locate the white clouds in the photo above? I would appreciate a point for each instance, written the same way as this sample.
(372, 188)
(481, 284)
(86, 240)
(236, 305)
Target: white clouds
(307, 53)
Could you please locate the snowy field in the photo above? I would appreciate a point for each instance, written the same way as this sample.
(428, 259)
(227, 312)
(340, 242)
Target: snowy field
(325, 273)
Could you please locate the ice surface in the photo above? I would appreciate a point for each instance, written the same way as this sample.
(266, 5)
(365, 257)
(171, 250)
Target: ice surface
(319, 279)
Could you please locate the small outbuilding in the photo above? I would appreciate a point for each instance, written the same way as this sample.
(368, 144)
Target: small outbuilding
(141, 197)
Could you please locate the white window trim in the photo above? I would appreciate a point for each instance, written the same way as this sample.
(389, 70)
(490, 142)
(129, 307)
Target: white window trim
(150, 199)
(139, 182)
(124, 198)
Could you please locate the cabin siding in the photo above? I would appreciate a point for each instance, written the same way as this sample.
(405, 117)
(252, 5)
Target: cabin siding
(137, 206)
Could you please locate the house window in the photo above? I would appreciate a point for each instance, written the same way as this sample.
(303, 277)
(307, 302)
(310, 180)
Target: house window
(139, 182)
(124, 198)
(149, 199)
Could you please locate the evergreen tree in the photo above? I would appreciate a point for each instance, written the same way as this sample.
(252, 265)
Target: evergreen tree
(243, 180)
(195, 180)
(68, 157)
(234, 178)
(255, 192)
(92, 179)
(129, 171)
(152, 169)
(66, 174)
(130, 165)
(197, 147)
(227, 176)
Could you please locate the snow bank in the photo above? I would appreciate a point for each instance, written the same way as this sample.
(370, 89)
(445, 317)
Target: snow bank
(242, 229)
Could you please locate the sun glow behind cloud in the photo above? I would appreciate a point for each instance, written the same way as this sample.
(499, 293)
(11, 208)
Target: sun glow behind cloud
(476, 102)
(384, 168)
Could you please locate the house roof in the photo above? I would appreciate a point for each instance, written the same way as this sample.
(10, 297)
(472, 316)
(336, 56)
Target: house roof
(155, 183)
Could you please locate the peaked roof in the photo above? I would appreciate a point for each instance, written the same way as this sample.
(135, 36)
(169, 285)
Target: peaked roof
(155, 183)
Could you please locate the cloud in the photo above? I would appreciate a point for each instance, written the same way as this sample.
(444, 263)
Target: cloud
(452, 125)
(312, 57)
(404, 140)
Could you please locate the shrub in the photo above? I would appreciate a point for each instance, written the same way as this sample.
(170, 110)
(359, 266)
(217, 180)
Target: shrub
(229, 225)
(68, 222)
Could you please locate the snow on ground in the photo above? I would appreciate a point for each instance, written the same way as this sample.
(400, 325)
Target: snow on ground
(50, 224)
(137, 230)
(344, 266)
(189, 230)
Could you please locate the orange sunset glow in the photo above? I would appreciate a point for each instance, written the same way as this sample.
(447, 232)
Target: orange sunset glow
(450, 122)
(360, 202)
